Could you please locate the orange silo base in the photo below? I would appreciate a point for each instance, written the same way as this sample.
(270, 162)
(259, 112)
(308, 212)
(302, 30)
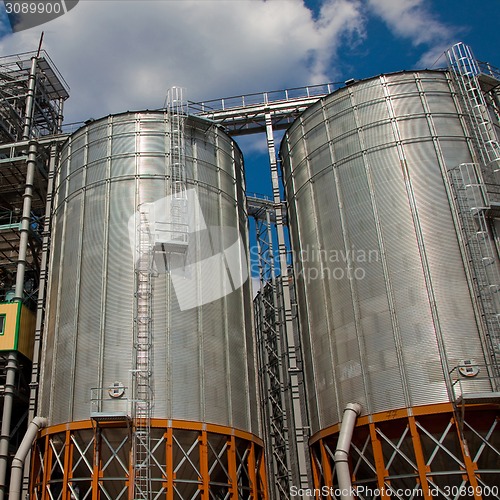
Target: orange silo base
(94, 460)
(426, 452)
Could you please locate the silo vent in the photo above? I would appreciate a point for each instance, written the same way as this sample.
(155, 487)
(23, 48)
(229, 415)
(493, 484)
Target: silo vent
(468, 368)
(116, 390)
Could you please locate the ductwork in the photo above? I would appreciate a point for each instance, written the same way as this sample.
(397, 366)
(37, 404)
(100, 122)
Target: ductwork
(16, 476)
(341, 457)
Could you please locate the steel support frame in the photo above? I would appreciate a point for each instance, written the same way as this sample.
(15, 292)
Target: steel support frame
(419, 453)
(12, 366)
(291, 351)
(31, 98)
(280, 358)
(188, 460)
(268, 313)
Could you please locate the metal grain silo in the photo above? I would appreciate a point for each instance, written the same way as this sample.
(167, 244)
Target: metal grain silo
(148, 377)
(380, 178)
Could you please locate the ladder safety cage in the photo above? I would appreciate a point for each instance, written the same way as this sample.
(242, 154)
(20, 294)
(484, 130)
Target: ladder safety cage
(481, 251)
(142, 372)
(466, 73)
(475, 197)
(177, 226)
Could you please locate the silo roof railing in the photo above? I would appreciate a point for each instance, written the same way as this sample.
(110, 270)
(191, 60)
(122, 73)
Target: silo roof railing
(488, 69)
(246, 114)
(489, 76)
(260, 98)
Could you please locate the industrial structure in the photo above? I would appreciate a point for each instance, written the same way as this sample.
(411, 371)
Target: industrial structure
(393, 195)
(156, 385)
(126, 332)
(32, 94)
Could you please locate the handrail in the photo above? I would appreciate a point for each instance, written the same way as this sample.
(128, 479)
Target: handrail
(488, 69)
(259, 98)
(459, 380)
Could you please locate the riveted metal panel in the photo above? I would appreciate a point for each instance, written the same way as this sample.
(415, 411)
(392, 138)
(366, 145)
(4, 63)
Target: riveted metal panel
(369, 186)
(203, 357)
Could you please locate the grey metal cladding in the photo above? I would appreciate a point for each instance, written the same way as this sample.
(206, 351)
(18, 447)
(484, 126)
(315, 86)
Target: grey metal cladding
(366, 187)
(203, 357)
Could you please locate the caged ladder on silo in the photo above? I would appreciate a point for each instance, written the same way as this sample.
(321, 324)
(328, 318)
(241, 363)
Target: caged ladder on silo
(142, 372)
(177, 109)
(470, 199)
(466, 70)
(472, 184)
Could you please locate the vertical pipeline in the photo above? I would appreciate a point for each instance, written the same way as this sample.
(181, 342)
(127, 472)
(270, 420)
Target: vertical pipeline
(12, 364)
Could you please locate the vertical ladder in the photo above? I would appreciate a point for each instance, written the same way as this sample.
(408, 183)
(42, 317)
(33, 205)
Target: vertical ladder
(142, 373)
(177, 109)
(465, 72)
(470, 183)
(470, 199)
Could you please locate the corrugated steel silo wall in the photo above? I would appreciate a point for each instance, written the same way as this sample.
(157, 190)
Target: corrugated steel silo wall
(364, 173)
(203, 358)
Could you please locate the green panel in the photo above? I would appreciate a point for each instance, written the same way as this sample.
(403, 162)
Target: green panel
(2, 323)
(18, 323)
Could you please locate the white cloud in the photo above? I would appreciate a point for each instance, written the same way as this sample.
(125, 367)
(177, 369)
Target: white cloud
(412, 19)
(120, 55)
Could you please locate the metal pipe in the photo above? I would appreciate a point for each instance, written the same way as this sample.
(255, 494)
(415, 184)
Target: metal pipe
(30, 177)
(60, 116)
(25, 221)
(30, 99)
(40, 316)
(12, 365)
(47, 140)
(10, 381)
(341, 457)
(16, 476)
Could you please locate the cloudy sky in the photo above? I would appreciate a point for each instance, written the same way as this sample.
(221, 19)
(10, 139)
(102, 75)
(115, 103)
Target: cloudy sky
(124, 55)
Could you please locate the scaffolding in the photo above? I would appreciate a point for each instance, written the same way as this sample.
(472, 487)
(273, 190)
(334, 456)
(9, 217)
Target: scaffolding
(45, 100)
(32, 93)
(267, 313)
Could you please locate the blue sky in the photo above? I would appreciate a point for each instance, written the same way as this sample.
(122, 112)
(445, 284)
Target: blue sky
(119, 55)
